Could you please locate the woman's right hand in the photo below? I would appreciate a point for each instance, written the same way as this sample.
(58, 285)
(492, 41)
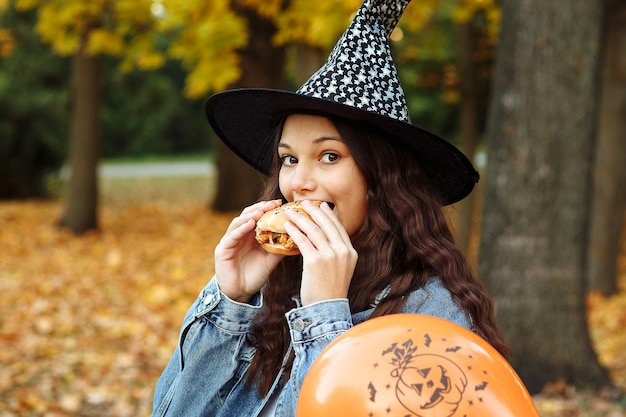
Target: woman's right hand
(242, 266)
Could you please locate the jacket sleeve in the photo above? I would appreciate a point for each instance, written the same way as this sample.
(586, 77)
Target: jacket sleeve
(211, 354)
(312, 328)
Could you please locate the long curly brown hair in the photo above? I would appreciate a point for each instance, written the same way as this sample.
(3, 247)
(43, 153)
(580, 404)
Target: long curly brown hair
(404, 240)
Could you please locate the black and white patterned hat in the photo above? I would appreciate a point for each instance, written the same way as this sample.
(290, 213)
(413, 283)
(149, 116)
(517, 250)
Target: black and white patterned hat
(358, 82)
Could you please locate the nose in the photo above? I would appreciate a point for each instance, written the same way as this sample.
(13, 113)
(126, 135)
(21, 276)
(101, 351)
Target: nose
(302, 179)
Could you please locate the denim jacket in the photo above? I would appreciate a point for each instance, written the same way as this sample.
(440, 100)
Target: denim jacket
(207, 372)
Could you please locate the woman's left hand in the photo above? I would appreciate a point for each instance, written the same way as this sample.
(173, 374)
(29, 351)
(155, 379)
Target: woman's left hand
(328, 256)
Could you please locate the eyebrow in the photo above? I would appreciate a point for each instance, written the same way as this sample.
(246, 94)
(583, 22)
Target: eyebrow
(315, 141)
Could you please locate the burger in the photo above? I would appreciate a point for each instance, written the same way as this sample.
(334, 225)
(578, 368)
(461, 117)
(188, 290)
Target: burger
(270, 229)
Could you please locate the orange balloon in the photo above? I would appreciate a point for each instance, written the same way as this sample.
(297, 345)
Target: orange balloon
(412, 365)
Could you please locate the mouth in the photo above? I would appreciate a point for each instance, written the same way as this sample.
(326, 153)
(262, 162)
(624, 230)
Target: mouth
(330, 203)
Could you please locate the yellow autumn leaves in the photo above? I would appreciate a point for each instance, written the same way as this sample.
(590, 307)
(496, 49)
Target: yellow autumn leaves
(205, 36)
(88, 323)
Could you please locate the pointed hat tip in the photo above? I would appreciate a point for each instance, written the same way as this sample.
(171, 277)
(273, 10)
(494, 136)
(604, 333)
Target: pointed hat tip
(385, 12)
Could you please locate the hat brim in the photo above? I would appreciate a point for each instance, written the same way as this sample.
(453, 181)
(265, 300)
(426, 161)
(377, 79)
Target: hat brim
(244, 119)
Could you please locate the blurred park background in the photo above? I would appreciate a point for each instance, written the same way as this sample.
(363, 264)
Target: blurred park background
(114, 190)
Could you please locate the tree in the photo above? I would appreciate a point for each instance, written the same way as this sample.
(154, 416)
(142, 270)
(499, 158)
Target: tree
(81, 213)
(609, 186)
(35, 108)
(533, 252)
(128, 29)
(445, 65)
(478, 23)
(203, 37)
(81, 29)
(468, 128)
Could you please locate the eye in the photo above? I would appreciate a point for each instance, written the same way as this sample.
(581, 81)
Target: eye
(289, 160)
(330, 157)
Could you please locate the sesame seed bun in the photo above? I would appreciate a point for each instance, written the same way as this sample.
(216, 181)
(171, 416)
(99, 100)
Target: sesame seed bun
(270, 229)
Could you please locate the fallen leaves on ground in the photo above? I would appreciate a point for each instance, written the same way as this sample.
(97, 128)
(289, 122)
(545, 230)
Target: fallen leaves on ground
(561, 400)
(88, 323)
(607, 323)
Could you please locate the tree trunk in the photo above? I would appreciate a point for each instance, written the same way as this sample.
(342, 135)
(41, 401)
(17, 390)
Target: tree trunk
(609, 194)
(82, 204)
(262, 64)
(468, 128)
(535, 222)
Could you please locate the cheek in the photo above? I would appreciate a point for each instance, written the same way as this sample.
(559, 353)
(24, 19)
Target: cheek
(352, 217)
(283, 185)
(356, 204)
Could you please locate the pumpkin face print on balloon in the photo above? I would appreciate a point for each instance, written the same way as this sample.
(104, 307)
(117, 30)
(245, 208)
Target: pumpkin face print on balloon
(427, 387)
(409, 365)
(425, 383)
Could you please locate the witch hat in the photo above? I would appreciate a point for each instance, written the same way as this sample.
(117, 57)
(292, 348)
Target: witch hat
(358, 82)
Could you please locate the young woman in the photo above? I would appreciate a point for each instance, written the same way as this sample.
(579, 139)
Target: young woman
(379, 244)
(384, 248)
